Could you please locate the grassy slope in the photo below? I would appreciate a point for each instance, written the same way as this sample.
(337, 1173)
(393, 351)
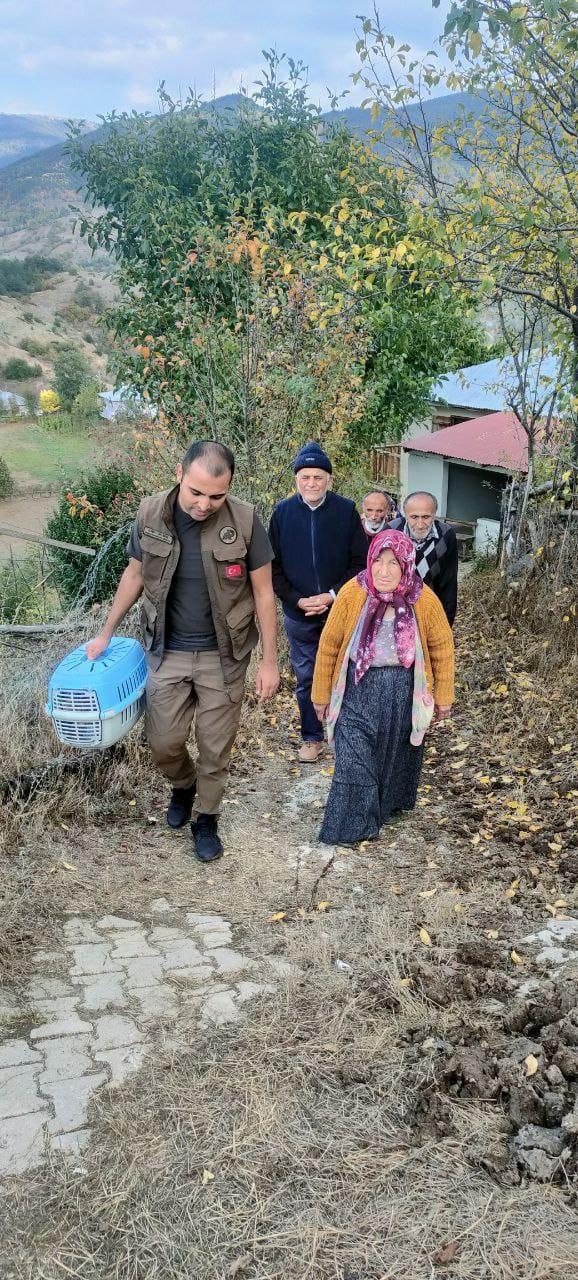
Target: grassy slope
(43, 459)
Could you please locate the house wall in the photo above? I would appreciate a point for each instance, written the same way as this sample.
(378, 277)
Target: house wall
(425, 471)
(474, 493)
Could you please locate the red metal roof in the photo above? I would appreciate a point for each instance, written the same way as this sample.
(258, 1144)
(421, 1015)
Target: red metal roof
(494, 440)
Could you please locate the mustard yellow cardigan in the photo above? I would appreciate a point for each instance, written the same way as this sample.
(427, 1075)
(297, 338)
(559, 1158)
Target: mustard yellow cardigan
(434, 629)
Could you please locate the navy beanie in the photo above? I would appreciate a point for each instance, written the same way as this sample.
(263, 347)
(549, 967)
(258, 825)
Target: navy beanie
(312, 455)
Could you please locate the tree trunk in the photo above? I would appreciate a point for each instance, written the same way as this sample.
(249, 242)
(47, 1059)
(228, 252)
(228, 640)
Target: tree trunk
(574, 383)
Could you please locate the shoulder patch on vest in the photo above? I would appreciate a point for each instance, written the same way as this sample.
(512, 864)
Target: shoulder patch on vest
(227, 534)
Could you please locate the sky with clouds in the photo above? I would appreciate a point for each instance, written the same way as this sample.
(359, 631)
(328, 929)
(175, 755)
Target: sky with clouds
(65, 58)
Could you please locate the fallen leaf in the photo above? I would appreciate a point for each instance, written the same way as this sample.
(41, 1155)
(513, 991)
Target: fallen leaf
(458, 906)
(266, 816)
(207, 1177)
(531, 1065)
(68, 866)
(132, 804)
(405, 982)
(279, 915)
(322, 906)
(492, 933)
(516, 958)
(447, 1254)
(239, 1265)
(64, 826)
(424, 937)
(394, 888)
(428, 893)
(476, 839)
(432, 866)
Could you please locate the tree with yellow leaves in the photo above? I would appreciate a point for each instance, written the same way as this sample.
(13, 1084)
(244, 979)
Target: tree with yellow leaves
(495, 195)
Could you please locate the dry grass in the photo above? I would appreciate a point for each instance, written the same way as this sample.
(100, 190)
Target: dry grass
(301, 1114)
(336, 1153)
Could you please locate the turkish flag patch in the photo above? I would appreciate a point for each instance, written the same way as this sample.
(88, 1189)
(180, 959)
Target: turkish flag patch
(234, 571)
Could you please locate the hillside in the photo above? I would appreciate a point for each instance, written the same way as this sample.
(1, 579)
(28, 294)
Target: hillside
(37, 196)
(44, 181)
(22, 136)
(442, 110)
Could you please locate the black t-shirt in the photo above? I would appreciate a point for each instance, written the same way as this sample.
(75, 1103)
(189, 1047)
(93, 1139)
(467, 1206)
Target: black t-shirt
(189, 620)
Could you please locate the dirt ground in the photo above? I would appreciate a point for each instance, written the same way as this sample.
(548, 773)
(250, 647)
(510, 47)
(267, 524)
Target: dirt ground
(24, 512)
(404, 1105)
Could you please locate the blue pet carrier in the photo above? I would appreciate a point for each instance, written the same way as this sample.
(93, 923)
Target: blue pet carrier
(94, 702)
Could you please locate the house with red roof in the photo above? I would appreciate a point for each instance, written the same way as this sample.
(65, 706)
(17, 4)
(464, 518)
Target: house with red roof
(466, 465)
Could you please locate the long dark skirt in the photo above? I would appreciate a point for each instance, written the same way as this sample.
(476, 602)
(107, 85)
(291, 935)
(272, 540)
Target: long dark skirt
(376, 768)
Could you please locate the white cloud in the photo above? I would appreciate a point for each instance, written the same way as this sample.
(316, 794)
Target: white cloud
(73, 59)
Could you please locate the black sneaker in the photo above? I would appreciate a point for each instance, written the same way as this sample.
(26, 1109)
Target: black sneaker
(181, 806)
(206, 838)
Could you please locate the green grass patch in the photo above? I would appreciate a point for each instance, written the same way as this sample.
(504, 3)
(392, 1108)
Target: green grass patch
(45, 458)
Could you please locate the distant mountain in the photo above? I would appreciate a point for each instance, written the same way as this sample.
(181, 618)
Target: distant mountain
(45, 177)
(37, 192)
(442, 110)
(22, 136)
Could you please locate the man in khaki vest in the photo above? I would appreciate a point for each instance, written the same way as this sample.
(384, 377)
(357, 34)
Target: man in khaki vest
(201, 560)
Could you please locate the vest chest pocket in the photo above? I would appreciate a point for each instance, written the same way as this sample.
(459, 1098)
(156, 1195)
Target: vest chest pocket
(231, 566)
(232, 573)
(156, 551)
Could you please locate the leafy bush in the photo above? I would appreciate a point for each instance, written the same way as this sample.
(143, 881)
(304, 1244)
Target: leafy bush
(26, 275)
(82, 306)
(89, 299)
(60, 423)
(103, 501)
(71, 374)
(6, 481)
(35, 347)
(19, 370)
(86, 403)
(31, 403)
(49, 402)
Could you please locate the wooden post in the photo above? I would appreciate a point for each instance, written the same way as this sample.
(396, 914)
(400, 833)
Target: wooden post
(45, 542)
(40, 628)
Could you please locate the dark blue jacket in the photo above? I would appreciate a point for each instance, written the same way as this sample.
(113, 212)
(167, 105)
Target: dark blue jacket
(315, 551)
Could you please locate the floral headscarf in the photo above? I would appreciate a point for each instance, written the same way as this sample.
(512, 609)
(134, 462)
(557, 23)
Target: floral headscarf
(405, 595)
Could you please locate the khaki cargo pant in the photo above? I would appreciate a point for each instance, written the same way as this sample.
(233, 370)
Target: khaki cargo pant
(186, 683)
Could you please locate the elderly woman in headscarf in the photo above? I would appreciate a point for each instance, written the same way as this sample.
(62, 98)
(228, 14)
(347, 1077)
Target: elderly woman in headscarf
(385, 668)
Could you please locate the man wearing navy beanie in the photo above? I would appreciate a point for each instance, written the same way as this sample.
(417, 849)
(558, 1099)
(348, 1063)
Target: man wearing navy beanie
(318, 544)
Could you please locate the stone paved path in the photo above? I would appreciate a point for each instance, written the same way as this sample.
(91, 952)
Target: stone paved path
(94, 1024)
